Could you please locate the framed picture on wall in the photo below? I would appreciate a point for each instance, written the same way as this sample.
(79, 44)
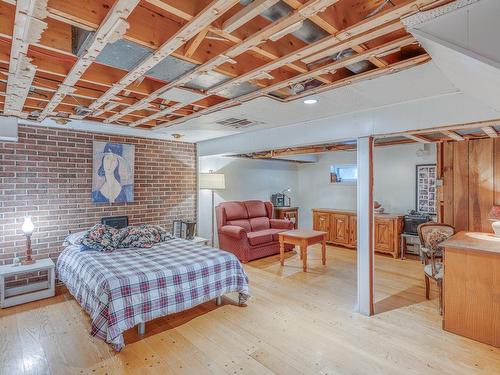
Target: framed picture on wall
(426, 188)
(113, 172)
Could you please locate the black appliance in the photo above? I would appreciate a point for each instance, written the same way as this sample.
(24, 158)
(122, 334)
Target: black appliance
(117, 222)
(280, 200)
(413, 220)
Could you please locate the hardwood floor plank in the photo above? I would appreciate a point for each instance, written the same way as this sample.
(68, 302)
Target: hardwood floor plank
(295, 323)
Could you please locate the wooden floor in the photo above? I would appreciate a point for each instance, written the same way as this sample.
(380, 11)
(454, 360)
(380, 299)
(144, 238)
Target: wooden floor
(295, 323)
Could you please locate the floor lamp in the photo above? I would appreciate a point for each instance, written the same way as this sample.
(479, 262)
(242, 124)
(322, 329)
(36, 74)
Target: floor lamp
(212, 181)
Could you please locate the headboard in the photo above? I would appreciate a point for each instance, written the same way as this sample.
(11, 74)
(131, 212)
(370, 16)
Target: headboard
(117, 222)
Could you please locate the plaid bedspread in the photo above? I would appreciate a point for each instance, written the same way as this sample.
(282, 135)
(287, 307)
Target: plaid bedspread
(126, 287)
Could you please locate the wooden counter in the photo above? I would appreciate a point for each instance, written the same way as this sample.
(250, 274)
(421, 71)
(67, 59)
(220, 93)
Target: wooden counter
(471, 285)
(341, 226)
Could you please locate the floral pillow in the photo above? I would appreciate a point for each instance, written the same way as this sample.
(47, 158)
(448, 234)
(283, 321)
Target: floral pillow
(100, 237)
(160, 233)
(74, 238)
(140, 236)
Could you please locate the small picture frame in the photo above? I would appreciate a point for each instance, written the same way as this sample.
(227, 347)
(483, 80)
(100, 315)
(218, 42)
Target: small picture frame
(425, 194)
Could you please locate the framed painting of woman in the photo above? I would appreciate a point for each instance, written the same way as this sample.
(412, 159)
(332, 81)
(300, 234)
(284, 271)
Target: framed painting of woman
(113, 172)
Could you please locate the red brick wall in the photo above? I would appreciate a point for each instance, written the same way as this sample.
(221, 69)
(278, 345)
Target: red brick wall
(48, 174)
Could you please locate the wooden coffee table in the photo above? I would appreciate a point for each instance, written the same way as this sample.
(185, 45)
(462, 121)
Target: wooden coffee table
(302, 238)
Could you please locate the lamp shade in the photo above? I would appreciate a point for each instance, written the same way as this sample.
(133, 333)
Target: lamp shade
(212, 181)
(28, 226)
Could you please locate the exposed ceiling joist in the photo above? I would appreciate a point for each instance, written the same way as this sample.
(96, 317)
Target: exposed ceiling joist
(195, 42)
(246, 14)
(254, 40)
(190, 29)
(319, 21)
(392, 68)
(417, 138)
(111, 29)
(28, 29)
(453, 135)
(371, 74)
(320, 45)
(406, 40)
(259, 55)
(490, 131)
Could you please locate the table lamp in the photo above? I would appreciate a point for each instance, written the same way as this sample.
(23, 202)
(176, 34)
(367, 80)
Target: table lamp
(27, 229)
(212, 181)
(494, 217)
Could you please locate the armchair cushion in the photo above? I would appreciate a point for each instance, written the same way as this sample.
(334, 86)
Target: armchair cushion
(281, 224)
(259, 237)
(233, 231)
(244, 223)
(259, 223)
(235, 210)
(256, 208)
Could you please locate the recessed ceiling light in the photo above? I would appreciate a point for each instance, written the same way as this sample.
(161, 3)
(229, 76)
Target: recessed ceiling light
(310, 101)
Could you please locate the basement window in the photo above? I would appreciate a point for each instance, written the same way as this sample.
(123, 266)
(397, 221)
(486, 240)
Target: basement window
(344, 174)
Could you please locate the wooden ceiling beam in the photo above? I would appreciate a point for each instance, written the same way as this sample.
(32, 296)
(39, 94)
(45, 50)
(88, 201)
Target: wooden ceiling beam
(389, 69)
(453, 135)
(246, 14)
(490, 131)
(111, 29)
(195, 42)
(190, 29)
(343, 82)
(398, 43)
(325, 25)
(262, 50)
(311, 7)
(28, 28)
(339, 46)
(417, 138)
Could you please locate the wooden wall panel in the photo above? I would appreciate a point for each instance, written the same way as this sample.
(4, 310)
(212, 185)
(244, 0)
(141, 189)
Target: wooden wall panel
(447, 177)
(460, 185)
(480, 184)
(497, 171)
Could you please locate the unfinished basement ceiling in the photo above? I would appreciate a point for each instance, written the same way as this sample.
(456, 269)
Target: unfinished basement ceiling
(112, 64)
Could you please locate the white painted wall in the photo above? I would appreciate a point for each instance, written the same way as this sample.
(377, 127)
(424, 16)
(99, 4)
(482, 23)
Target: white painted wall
(316, 191)
(245, 179)
(394, 181)
(394, 185)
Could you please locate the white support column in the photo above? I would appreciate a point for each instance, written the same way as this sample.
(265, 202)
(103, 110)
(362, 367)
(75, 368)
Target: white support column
(365, 226)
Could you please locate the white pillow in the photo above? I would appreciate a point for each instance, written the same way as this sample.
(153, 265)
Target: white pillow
(74, 238)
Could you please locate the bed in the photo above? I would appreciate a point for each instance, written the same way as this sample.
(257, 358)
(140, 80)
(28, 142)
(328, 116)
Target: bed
(128, 287)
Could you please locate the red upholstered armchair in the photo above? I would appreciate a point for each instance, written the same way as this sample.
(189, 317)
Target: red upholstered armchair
(248, 230)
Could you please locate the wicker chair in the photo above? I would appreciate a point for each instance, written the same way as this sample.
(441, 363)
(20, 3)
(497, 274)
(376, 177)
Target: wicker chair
(431, 235)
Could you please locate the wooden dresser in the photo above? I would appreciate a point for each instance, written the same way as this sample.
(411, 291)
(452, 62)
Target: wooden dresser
(289, 213)
(471, 287)
(341, 226)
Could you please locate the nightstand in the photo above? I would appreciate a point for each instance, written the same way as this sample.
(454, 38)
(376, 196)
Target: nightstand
(200, 240)
(31, 291)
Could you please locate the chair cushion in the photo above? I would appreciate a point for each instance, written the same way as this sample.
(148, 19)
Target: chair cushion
(259, 223)
(256, 209)
(259, 237)
(245, 224)
(235, 210)
(439, 270)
